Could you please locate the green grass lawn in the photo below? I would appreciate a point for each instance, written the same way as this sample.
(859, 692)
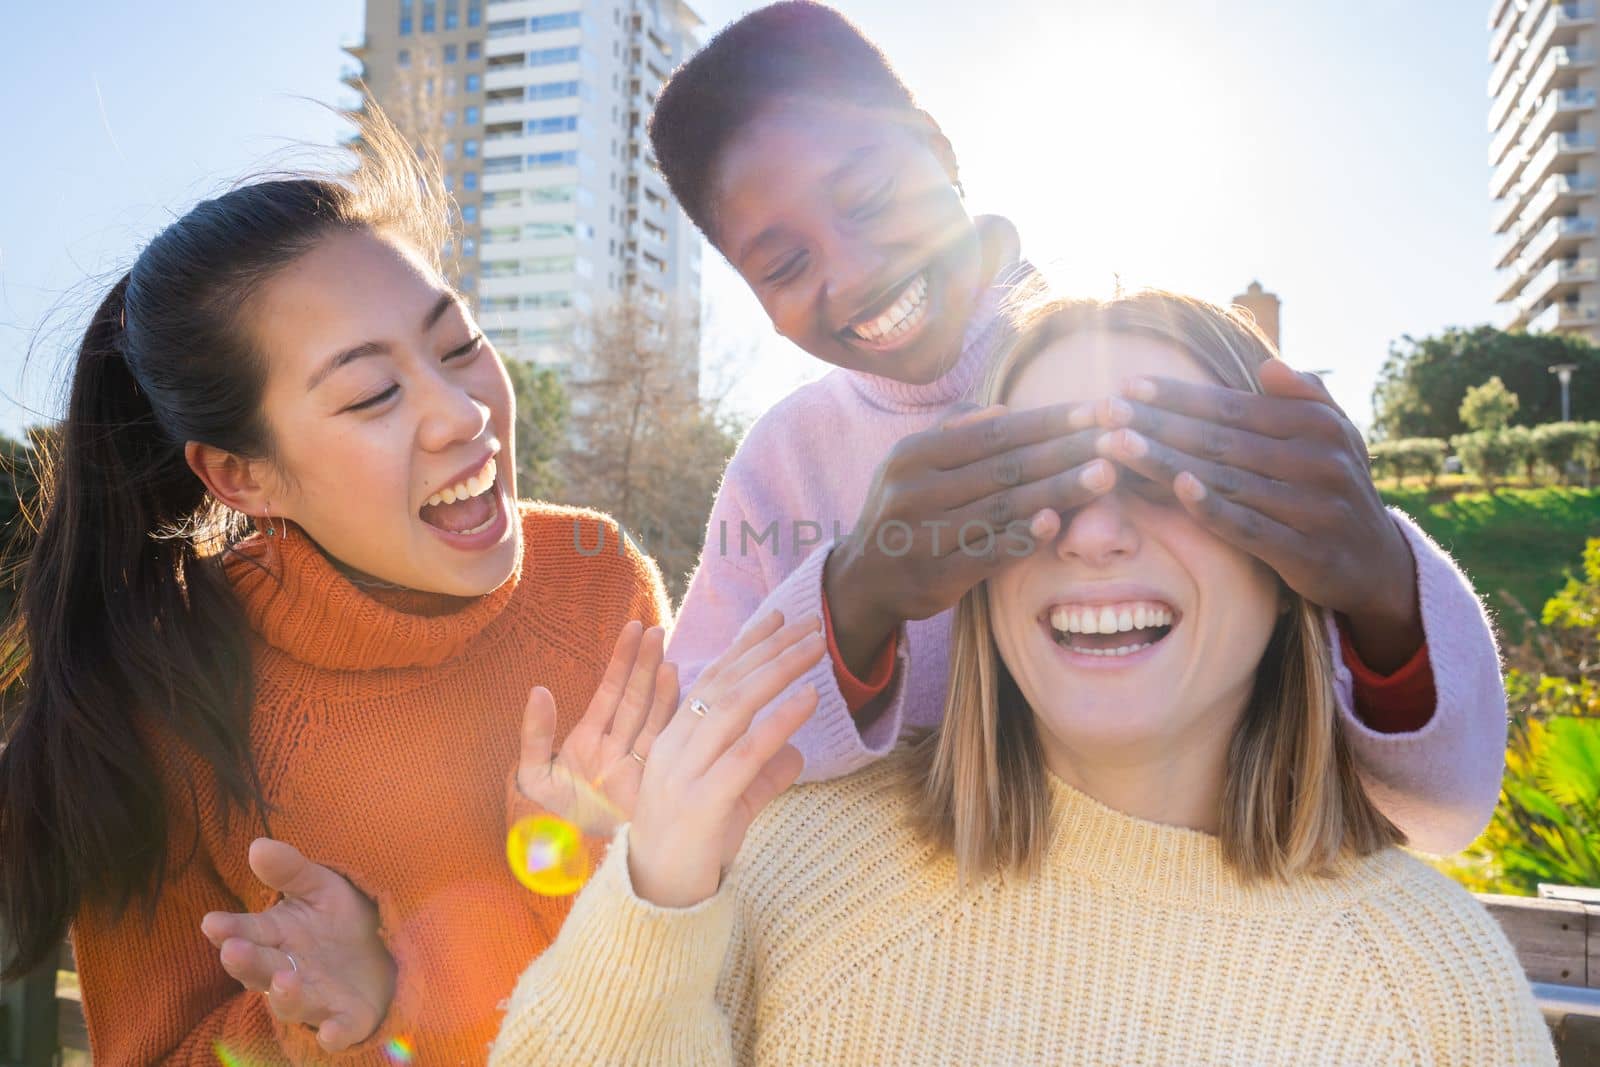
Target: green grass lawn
(1520, 542)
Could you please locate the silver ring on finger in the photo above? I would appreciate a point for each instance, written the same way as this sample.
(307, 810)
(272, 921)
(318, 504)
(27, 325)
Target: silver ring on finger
(637, 758)
(699, 707)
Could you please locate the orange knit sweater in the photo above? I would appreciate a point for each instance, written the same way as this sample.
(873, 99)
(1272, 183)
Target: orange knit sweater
(385, 729)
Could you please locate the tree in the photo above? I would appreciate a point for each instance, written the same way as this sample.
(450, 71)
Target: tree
(542, 414)
(1423, 382)
(1489, 406)
(646, 447)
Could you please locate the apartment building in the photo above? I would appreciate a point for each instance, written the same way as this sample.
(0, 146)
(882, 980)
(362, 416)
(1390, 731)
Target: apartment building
(1543, 124)
(538, 110)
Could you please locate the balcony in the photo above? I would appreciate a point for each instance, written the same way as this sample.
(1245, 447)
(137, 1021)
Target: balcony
(1572, 16)
(1565, 317)
(353, 76)
(1558, 148)
(1500, 73)
(1559, 194)
(1558, 237)
(1560, 60)
(1558, 110)
(1497, 9)
(354, 46)
(1557, 279)
(1508, 282)
(1506, 249)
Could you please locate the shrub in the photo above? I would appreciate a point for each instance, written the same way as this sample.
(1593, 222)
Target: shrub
(1560, 444)
(1489, 455)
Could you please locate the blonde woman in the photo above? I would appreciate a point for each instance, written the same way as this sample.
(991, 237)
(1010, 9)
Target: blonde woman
(1138, 836)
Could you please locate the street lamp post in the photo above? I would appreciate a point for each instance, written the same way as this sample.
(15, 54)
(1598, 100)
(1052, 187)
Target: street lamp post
(1564, 371)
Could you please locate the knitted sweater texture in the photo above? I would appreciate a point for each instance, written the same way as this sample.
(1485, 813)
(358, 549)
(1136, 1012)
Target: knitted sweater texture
(842, 938)
(385, 728)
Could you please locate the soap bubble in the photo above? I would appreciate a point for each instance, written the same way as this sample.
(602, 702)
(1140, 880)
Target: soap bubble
(400, 1049)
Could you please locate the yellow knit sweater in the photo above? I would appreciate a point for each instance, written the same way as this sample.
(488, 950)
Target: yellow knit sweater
(840, 938)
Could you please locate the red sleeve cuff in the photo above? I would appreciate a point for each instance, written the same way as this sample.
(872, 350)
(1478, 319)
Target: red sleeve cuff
(857, 692)
(1396, 703)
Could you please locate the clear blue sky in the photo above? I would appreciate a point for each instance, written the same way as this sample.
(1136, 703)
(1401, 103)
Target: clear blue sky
(1334, 151)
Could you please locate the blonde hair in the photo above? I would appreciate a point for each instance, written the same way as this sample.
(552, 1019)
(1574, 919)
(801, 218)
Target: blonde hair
(1292, 802)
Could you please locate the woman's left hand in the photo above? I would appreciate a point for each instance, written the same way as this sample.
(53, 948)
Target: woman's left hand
(316, 953)
(1285, 477)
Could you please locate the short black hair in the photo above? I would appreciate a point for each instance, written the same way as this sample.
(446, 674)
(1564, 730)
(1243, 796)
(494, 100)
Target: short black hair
(794, 48)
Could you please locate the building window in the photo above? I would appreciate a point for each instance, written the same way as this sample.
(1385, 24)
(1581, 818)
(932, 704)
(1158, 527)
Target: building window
(449, 117)
(502, 165)
(404, 58)
(474, 83)
(450, 183)
(428, 23)
(565, 21)
(451, 53)
(405, 25)
(469, 149)
(450, 86)
(554, 124)
(508, 28)
(452, 15)
(469, 212)
(469, 246)
(473, 116)
(553, 159)
(552, 90)
(468, 283)
(449, 150)
(550, 194)
(548, 231)
(474, 50)
(469, 180)
(474, 13)
(546, 56)
(504, 198)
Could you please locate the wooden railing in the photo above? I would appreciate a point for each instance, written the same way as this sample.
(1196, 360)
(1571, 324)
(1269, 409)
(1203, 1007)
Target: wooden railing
(1556, 935)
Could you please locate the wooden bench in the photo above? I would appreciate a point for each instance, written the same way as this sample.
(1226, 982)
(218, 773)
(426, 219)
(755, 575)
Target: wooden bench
(1556, 935)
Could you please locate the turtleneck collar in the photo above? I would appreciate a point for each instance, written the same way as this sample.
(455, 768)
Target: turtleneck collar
(299, 602)
(1002, 251)
(1178, 866)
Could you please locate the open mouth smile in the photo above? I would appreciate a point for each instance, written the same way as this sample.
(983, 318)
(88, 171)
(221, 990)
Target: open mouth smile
(896, 319)
(1110, 630)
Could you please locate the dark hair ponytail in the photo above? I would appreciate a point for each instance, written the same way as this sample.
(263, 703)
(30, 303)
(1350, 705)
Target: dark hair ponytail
(129, 640)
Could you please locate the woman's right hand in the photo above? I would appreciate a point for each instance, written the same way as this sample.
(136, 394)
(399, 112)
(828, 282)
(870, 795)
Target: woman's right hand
(949, 507)
(710, 772)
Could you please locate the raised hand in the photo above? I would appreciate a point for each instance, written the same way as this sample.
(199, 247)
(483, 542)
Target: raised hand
(711, 771)
(1283, 476)
(316, 953)
(951, 506)
(606, 749)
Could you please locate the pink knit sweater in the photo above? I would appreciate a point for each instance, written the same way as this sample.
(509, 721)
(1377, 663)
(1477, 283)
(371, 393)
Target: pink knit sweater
(797, 485)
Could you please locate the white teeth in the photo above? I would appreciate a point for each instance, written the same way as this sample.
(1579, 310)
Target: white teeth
(474, 486)
(1109, 618)
(904, 315)
(1124, 650)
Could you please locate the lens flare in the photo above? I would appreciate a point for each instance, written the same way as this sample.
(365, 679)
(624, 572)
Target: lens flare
(229, 1058)
(400, 1049)
(549, 851)
(547, 855)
